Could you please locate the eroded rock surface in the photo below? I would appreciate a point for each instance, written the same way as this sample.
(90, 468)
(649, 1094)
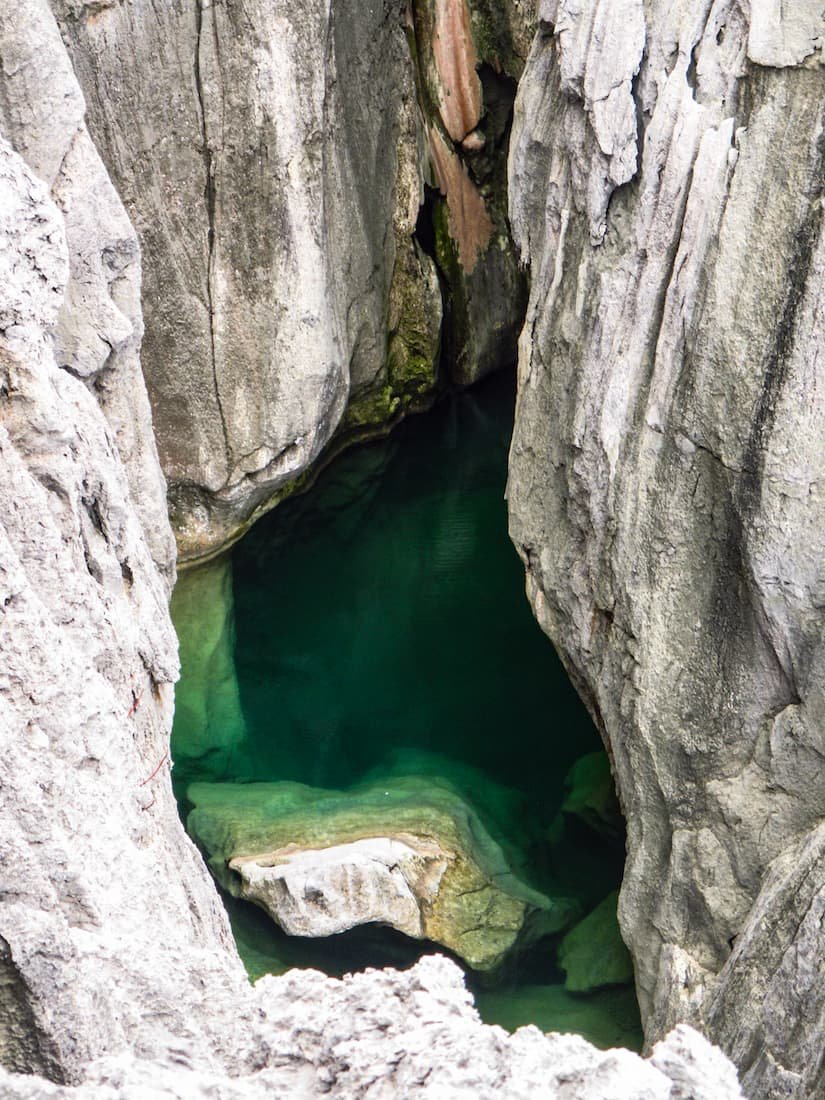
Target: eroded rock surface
(388, 1034)
(104, 901)
(406, 852)
(116, 963)
(321, 892)
(100, 324)
(270, 161)
(667, 488)
(274, 163)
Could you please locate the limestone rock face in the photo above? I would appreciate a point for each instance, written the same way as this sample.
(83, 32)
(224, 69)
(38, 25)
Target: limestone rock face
(116, 963)
(104, 901)
(269, 160)
(99, 327)
(667, 479)
(274, 163)
(469, 54)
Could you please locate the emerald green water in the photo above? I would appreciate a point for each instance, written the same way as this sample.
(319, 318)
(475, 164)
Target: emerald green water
(377, 627)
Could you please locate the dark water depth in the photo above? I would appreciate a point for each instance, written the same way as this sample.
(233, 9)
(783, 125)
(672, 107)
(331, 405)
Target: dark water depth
(385, 609)
(381, 629)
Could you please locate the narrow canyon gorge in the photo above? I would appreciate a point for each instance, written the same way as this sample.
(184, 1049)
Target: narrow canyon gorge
(240, 243)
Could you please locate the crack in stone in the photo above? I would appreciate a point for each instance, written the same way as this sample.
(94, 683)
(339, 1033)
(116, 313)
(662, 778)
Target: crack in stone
(210, 196)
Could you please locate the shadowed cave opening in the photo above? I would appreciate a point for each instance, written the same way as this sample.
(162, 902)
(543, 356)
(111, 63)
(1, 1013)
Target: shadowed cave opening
(365, 664)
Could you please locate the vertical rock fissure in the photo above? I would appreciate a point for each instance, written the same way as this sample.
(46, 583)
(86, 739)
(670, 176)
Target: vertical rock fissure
(210, 199)
(778, 358)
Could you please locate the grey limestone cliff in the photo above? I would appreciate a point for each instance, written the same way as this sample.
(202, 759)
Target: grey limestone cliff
(109, 933)
(667, 481)
(264, 187)
(100, 323)
(276, 162)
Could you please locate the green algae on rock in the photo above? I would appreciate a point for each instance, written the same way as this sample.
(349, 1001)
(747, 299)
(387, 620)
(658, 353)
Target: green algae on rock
(591, 794)
(431, 869)
(593, 954)
(209, 723)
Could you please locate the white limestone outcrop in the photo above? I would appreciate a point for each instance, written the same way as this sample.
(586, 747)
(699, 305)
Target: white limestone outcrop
(110, 934)
(321, 892)
(385, 1034)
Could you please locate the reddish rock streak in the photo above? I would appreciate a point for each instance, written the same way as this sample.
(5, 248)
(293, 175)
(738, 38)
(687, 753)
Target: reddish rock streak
(454, 51)
(470, 225)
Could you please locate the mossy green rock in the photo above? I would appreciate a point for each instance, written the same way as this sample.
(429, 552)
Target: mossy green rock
(481, 910)
(593, 954)
(209, 724)
(591, 794)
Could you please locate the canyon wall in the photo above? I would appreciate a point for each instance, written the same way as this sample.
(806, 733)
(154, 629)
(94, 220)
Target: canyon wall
(118, 974)
(307, 181)
(666, 487)
(667, 482)
(110, 933)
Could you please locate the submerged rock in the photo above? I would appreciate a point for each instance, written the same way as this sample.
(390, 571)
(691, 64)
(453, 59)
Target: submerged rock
(591, 794)
(408, 853)
(209, 730)
(593, 954)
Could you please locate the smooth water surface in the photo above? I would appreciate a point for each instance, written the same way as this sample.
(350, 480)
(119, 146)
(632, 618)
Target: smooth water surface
(381, 628)
(385, 609)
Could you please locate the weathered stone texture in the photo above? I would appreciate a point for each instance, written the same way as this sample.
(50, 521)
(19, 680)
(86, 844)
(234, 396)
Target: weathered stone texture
(99, 329)
(273, 160)
(117, 968)
(385, 1034)
(667, 486)
(106, 915)
(257, 149)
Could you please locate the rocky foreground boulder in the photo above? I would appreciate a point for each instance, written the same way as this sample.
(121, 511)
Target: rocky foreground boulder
(384, 1034)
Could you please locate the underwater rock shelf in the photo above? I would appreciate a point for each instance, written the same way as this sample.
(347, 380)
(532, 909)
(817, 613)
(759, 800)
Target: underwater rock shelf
(373, 737)
(406, 852)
